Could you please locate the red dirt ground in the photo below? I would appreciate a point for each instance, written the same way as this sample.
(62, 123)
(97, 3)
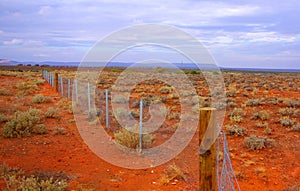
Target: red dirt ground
(268, 169)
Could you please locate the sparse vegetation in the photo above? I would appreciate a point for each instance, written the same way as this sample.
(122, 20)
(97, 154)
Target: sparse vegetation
(59, 130)
(24, 124)
(262, 125)
(291, 102)
(255, 102)
(52, 112)
(172, 172)
(296, 127)
(40, 98)
(26, 88)
(237, 111)
(3, 118)
(286, 121)
(165, 90)
(16, 180)
(235, 130)
(236, 119)
(263, 115)
(257, 143)
(128, 138)
(5, 92)
(289, 111)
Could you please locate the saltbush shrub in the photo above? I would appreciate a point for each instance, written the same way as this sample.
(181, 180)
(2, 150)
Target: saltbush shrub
(257, 143)
(24, 124)
(235, 130)
(40, 98)
(130, 139)
(52, 112)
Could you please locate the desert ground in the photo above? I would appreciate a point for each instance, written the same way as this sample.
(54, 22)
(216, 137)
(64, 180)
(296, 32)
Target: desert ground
(41, 145)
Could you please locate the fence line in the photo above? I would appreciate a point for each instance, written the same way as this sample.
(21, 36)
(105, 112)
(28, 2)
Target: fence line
(211, 179)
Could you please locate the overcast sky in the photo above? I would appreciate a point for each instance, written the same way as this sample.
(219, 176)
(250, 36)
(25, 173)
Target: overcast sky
(238, 33)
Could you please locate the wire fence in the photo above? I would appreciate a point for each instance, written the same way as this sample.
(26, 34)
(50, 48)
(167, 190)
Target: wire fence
(81, 93)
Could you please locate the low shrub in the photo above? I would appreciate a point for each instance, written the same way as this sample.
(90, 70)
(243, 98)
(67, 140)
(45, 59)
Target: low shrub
(236, 119)
(170, 173)
(3, 118)
(52, 112)
(40, 98)
(257, 143)
(130, 139)
(296, 127)
(286, 121)
(289, 111)
(263, 115)
(165, 90)
(255, 102)
(5, 92)
(262, 125)
(15, 179)
(235, 130)
(291, 102)
(66, 104)
(24, 124)
(237, 111)
(26, 88)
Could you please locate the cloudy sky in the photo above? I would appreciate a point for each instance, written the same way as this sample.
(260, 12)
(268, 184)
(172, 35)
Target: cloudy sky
(238, 33)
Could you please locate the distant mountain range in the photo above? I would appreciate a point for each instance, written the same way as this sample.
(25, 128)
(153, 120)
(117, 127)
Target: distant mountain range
(7, 62)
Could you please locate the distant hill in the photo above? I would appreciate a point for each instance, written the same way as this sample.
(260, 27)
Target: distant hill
(7, 62)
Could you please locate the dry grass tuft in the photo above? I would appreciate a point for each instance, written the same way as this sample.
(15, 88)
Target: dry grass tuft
(129, 139)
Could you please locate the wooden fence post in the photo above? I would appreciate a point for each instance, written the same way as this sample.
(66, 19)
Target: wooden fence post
(56, 82)
(207, 160)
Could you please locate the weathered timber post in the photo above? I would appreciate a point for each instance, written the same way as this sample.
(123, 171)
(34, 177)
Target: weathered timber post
(207, 158)
(56, 82)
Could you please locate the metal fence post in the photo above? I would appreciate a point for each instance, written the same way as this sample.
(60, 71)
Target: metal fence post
(106, 104)
(69, 86)
(141, 127)
(62, 86)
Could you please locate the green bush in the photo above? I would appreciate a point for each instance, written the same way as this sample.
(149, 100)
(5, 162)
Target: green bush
(24, 124)
(40, 98)
(194, 72)
(116, 70)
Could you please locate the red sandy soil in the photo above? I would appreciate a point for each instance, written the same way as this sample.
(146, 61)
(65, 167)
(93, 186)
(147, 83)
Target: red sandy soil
(268, 169)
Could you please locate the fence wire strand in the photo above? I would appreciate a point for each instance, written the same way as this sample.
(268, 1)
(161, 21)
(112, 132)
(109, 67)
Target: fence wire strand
(227, 180)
